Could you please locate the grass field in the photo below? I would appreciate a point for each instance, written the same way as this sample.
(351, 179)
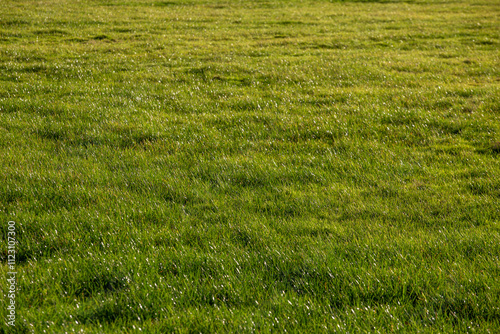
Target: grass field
(251, 166)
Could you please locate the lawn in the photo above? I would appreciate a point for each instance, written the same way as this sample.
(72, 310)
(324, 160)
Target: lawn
(250, 166)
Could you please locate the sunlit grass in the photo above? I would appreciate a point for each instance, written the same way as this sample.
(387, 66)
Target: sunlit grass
(251, 166)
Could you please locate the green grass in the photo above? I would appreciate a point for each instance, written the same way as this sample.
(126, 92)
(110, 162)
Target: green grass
(251, 166)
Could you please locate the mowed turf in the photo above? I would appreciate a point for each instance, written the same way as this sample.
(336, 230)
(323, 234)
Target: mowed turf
(251, 166)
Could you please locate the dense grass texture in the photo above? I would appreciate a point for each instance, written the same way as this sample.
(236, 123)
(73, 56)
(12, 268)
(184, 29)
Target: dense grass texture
(251, 166)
